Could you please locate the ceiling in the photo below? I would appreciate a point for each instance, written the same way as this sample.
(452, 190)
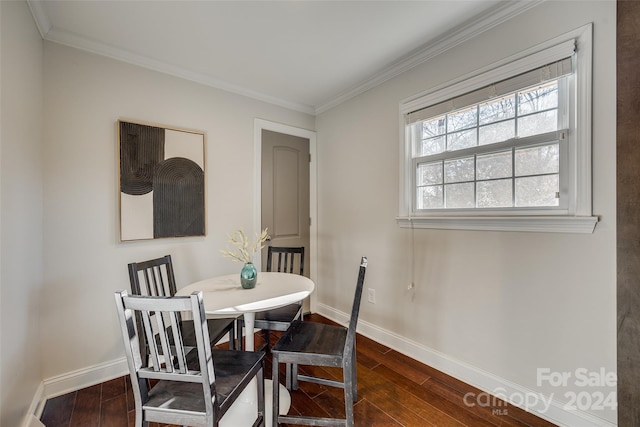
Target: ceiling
(304, 55)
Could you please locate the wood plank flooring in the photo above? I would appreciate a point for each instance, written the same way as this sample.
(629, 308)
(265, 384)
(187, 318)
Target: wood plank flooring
(393, 390)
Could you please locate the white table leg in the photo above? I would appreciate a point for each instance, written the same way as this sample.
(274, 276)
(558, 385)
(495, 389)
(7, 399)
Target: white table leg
(249, 322)
(236, 416)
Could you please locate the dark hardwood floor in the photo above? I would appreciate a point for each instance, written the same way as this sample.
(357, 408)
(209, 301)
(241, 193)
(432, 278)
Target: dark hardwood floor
(393, 390)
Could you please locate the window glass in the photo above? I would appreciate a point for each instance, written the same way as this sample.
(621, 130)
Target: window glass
(525, 174)
(430, 197)
(495, 165)
(429, 173)
(458, 170)
(460, 195)
(462, 119)
(537, 191)
(497, 132)
(537, 160)
(495, 194)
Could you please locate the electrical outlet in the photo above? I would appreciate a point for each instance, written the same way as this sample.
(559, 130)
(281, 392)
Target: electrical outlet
(371, 295)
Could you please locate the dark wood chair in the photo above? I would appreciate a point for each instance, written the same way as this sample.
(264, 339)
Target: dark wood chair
(156, 278)
(201, 384)
(309, 343)
(278, 319)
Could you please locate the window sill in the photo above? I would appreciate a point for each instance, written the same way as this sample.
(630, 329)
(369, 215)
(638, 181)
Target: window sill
(547, 224)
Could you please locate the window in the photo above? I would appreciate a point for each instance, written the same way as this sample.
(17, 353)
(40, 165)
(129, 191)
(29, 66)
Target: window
(507, 148)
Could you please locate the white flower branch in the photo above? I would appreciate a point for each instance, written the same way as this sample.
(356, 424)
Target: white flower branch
(242, 251)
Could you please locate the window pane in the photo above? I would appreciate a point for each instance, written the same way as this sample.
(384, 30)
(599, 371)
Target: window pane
(539, 98)
(431, 146)
(430, 197)
(497, 132)
(433, 127)
(460, 140)
(458, 170)
(538, 160)
(537, 191)
(498, 109)
(462, 119)
(538, 123)
(495, 165)
(429, 173)
(494, 194)
(459, 195)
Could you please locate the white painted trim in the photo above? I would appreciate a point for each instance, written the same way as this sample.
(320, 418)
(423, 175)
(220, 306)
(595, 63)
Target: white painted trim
(469, 374)
(259, 126)
(40, 16)
(490, 19)
(449, 40)
(584, 85)
(32, 421)
(36, 407)
(549, 224)
(69, 382)
(81, 378)
(68, 39)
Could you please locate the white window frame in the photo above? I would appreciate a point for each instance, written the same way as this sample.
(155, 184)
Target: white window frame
(577, 217)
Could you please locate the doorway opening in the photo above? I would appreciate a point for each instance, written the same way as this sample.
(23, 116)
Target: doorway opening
(286, 190)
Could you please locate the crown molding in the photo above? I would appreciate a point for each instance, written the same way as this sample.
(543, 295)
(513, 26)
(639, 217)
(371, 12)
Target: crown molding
(40, 16)
(66, 38)
(486, 21)
(72, 40)
(502, 13)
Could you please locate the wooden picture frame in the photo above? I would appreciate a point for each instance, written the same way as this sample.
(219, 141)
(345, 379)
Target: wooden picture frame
(161, 182)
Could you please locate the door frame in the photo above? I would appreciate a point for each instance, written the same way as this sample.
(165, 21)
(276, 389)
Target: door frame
(258, 127)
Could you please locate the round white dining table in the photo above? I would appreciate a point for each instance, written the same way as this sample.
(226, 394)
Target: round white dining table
(223, 295)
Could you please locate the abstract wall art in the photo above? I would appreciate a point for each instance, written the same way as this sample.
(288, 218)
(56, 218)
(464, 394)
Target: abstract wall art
(162, 175)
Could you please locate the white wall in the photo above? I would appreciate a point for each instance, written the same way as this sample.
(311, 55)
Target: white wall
(494, 305)
(20, 211)
(84, 262)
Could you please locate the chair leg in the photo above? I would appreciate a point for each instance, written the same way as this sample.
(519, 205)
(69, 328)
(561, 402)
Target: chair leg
(232, 336)
(276, 391)
(267, 339)
(354, 375)
(294, 376)
(240, 340)
(288, 378)
(348, 394)
(260, 378)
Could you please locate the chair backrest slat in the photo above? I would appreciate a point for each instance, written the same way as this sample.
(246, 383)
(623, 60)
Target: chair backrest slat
(153, 278)
(152, 345)
(158, 314)
(285, 261)
(355, 309)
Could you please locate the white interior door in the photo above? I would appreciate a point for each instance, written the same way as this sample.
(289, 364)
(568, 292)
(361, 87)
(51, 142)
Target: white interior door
(285, 193)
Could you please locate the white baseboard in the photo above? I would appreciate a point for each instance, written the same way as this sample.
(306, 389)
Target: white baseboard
(35, 409)
(76, 380)
(32, 421)
(478, 378)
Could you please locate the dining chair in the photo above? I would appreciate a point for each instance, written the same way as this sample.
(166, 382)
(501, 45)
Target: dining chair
(200, 384)
(317, 344)
(155, 277)
(278, 319)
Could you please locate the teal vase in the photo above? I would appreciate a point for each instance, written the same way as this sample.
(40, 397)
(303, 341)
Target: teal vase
(248, 276)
